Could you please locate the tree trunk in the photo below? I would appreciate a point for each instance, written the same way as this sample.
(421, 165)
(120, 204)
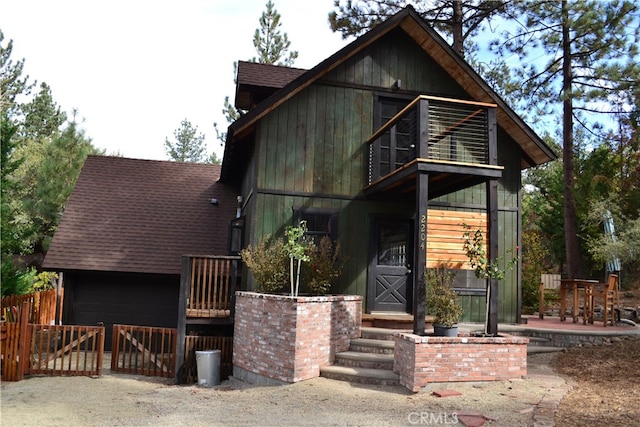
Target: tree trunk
(572, 249)
(456, 28)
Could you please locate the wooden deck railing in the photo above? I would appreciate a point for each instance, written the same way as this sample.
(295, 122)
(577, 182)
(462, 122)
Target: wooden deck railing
(432, 128)
(211, 286)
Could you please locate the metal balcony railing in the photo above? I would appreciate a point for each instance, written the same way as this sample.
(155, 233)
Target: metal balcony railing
(432, 128)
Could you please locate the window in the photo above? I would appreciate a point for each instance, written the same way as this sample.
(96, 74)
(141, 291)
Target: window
(320, 222)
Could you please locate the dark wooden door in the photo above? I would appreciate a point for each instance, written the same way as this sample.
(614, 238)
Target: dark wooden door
(390, 268)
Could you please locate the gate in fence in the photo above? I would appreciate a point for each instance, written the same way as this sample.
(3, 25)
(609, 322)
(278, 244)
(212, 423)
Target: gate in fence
(143, 350)
(27, 348)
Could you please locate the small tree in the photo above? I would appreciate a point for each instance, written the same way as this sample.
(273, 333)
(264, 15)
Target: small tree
(188, 146)
(298, 250)
(482, 266)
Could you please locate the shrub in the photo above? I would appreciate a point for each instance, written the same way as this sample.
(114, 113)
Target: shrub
(324, 267)
(268, 262)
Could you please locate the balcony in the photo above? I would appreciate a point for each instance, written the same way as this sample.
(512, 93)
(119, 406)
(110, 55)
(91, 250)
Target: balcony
(454, 141)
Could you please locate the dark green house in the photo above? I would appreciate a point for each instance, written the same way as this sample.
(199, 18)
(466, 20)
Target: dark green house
(387, 146)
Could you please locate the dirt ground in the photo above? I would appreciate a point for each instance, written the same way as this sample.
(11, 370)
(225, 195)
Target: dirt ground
(605, 385)
(121, 400)
(605, 390)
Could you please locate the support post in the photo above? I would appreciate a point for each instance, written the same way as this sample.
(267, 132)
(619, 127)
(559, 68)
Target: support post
(185, 280)
(492, 285)
(420, 253)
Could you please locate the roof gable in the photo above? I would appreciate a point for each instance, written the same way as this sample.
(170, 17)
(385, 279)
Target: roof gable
(129, 215)
(535, 150)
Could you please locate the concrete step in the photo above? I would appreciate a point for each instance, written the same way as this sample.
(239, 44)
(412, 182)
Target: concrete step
(360, 375)
(537, 349)
(364, 360)
(539, 342)
(366, 345)
(374, 333)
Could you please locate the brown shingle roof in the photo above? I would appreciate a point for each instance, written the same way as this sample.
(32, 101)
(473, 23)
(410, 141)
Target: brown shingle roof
(141, 216)
(256, 82)
(266, 75)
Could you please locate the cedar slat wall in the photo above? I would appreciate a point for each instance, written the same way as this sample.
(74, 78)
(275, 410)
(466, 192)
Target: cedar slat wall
(444, 236)
(143, 350)
(195, 343)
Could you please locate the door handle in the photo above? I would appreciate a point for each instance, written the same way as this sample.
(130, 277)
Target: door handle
(408, 267)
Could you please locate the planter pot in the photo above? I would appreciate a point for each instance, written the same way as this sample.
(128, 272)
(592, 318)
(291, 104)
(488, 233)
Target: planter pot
(441, 330)
(285, 339)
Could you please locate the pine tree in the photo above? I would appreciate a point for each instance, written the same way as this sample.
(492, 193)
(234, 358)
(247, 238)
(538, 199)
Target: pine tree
(589, 66)
(188, 146)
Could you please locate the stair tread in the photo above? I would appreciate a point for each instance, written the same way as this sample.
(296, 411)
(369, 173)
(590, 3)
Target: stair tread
(368, 342)
(373, 330)
(368, 357)
(380, 374)
(542, 349)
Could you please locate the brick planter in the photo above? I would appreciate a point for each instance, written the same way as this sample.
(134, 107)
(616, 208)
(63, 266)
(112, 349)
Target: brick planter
(421, 360)
(284, 339)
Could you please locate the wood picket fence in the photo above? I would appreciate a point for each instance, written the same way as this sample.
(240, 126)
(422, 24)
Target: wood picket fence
(70, 350)
(144, 350)
(42, 307)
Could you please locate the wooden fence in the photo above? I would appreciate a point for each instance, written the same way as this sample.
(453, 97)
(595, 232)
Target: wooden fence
(197, 343)
(49, 349)
(67, 350)
(42, 307)
(143, 350)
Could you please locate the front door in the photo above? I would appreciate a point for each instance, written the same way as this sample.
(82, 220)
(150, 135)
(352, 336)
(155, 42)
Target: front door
(390, 280)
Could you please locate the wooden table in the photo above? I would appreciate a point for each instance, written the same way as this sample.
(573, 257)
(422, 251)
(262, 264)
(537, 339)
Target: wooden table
(575, 285)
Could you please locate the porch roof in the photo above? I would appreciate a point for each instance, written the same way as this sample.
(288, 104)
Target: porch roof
(444, 177)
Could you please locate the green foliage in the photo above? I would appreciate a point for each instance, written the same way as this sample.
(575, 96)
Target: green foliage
(271, 45)
(324, 266)
(459, 20)
(442, 301)
(188, 146)
(12, 84)
(534, 260)
(268, 262)
(15, 281)
(297, 248)
(42, 116)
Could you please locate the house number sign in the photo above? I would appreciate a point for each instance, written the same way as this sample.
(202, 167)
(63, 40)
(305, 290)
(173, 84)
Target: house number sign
(423, 231)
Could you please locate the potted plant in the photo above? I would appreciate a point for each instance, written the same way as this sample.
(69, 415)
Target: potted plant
(442, 302)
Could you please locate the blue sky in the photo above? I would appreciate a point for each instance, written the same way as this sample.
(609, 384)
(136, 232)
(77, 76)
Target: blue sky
(135, 69)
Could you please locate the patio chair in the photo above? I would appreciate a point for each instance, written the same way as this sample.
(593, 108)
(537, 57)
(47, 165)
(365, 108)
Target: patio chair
(607, 295)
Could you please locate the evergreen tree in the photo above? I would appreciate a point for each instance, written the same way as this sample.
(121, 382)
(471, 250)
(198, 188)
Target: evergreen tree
(458, 19)
(272, 48)
(12, 83)
(271, 45)
(590, 61)
(188, 146)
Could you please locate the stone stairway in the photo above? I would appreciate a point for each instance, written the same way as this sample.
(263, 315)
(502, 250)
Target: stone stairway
(369, 359)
